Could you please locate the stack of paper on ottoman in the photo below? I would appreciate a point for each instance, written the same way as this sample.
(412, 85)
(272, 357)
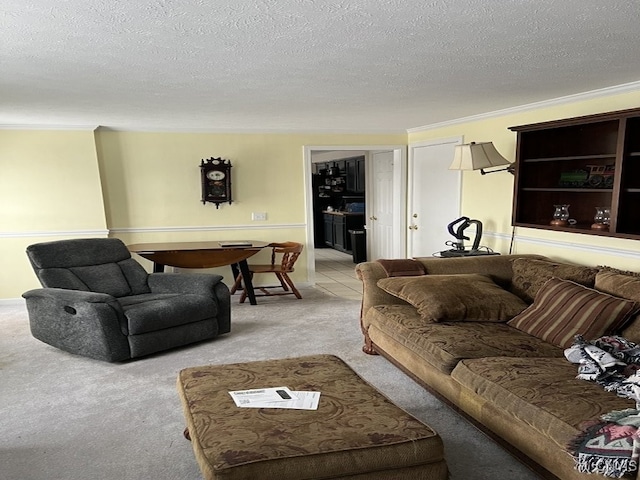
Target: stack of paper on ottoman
(355, 433)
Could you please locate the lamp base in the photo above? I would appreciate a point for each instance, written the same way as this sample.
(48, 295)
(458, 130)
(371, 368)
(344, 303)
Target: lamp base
(465, 253)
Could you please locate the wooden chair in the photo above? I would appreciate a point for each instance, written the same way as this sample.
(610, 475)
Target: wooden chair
(290, 252)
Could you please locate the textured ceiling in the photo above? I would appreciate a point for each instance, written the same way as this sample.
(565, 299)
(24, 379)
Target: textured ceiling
(311, 65)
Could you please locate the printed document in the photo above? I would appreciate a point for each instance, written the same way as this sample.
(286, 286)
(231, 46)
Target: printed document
(249, 398)
(276, 398)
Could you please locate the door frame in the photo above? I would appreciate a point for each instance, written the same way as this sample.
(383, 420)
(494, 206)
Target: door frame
(399, 191)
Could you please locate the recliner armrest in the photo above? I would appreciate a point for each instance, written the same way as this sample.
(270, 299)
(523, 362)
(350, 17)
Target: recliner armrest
(69, 295)
(195, 283)
(86, 323)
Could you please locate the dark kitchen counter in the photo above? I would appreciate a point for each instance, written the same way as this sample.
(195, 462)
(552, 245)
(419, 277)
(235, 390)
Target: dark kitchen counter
(345, 214)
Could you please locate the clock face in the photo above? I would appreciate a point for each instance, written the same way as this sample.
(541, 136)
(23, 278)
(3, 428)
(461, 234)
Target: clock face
(215, 175)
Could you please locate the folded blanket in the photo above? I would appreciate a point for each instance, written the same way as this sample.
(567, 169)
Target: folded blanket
(402, 267)
(610, 361)
(610, 446)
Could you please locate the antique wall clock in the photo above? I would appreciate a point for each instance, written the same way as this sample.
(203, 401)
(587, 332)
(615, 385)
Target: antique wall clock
(216, 181)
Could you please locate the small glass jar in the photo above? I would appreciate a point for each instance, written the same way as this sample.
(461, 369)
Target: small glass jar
(560, 215)
(601, 219)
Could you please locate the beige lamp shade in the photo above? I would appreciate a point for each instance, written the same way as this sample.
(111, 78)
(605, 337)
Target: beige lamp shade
(477, 156)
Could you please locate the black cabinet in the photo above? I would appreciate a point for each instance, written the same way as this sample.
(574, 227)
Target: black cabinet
(336, 229)
(339, 234)
(355, 174)
(328, 229)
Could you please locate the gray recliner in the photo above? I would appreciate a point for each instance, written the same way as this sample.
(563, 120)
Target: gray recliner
(99, 302)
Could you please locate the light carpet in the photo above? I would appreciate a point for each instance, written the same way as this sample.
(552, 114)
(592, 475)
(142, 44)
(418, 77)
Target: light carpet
(66, 417)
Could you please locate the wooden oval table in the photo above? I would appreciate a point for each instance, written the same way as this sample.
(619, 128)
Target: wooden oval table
(208, 254)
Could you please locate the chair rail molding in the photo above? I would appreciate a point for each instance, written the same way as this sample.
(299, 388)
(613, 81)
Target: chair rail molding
(56, 233)
(216, 228)
(617, 252)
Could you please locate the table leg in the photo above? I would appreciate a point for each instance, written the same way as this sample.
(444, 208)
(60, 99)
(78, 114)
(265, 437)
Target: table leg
(248, 284)
(235, 271)
(158, 267)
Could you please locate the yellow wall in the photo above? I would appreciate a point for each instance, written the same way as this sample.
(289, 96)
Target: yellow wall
(49, 184)
(489, 198)
(54, 184)
(145, 187)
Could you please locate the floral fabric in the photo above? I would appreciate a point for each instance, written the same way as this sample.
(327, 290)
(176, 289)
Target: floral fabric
(355, 430)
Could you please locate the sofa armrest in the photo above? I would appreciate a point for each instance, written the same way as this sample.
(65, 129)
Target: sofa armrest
(369, 273)
(85, 323)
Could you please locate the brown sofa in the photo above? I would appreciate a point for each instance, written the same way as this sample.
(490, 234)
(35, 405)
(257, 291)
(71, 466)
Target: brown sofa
(446, 323)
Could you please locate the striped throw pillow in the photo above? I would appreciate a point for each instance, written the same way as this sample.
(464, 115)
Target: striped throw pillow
(563, 309)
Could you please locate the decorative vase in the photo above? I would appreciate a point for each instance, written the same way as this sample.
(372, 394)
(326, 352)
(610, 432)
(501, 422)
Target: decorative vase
(560, 215)
(601, 219)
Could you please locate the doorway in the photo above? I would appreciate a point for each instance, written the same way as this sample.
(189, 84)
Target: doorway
(397, 193)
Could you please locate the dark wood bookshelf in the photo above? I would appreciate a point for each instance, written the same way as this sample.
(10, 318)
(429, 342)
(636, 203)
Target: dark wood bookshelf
(583, 162)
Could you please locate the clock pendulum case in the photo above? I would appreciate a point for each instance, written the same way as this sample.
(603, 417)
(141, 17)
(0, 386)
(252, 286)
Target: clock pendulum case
(215, 175)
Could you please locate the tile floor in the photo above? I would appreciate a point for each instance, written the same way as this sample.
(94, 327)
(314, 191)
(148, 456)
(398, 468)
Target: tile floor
(335, 274)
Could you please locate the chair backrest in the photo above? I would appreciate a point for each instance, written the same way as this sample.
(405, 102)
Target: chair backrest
(290, 252)
(101, 265)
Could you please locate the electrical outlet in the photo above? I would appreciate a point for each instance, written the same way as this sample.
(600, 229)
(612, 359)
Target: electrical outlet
(258, 216)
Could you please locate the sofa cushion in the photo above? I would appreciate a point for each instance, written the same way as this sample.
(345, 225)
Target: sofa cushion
(150, 312)
(541, 392)
(465, 297)
(443, 345)
(626, 285)
(564, 309)
(529, 275)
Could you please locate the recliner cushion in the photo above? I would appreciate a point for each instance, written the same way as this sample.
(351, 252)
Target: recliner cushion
(106, 278)
(61, 278)
(155, 311)
(136, 276)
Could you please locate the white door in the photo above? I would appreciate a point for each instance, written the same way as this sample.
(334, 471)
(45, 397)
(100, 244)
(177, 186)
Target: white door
(434, 196)
(379, 222)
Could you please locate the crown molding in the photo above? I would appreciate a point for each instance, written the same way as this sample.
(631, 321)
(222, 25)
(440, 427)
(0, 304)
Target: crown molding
(50, 127)
(251, 131)
(577, 97)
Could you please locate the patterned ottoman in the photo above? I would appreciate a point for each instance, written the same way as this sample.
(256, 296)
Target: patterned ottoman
(355, 433)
